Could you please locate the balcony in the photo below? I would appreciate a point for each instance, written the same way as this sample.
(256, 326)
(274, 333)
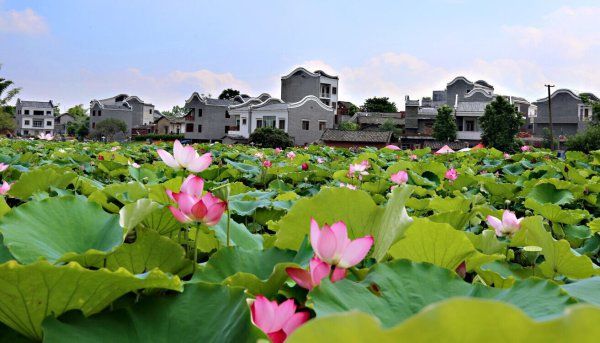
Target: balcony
(326, 95)
(468, 135)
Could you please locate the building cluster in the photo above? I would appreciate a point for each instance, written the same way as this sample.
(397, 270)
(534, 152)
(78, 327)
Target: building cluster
(309, 111)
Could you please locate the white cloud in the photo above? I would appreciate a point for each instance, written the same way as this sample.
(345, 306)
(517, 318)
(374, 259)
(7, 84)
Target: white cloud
(22, 22)
(208, 81)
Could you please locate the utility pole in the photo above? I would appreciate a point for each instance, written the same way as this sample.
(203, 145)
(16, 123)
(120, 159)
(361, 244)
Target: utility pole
(550, 117)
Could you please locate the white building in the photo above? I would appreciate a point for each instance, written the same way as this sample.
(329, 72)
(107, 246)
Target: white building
(34, 117)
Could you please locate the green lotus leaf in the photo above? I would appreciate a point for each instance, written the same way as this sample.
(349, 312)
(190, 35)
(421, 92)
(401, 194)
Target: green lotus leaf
(40, 180)
(446, 204)
(457, 219)
(134, 213)
(259, 271)
(439, 244)
(392, 223)
(559, 258)
(548, 193)
(585, 290)
(239, 235)
(245, 204)
(555, 213)
(162, 221)
(30, 293)
(55, 226)
(5, 254)
(395, 291)
(456, 320)
(245, 168)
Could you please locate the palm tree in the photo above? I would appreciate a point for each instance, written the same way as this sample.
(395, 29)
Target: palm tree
(10, 94)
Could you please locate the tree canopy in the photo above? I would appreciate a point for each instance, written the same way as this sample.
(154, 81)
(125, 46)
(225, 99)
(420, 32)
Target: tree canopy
(500, 125)
(78, 111)
(176, 111)
(382, 104)
(268, 137)
(6, 94)
(444, 127)
(229, 93)
(109, 128)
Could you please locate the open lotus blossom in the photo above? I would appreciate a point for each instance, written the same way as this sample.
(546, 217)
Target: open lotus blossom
(507, 226)
(392, 147)
(413, 157)
(320, 160)
(3, 167)
(259, 155)
(400, 177)
(4, 188)
(291, 155)
(278, 321)
(332, 245)
(185, 157)
(347, 185)
(267, 164)
(506, 156)
(46, 136)
(317, 270)
(192, 206)
(278, 151)
(133, 164)
(360, 169)
(451, 174)
(525, 148)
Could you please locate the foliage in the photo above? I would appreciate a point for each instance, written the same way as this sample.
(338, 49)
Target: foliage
(586, 141)
(379, 104)
(349, 126)
(229, 93)
(176, 111)
(7, 122)
(500, 124)
(157, 137)
(268, 137)
(352, 109)
(78, 111)
(109, 128)
(6, 94)
(547, 140)
(444, 127)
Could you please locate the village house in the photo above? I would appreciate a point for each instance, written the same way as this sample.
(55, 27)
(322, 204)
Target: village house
(34, 117)
(137, 114)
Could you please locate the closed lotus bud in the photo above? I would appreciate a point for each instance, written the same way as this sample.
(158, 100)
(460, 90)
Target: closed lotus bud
(464, 189)
(507, 202)
(304, 166)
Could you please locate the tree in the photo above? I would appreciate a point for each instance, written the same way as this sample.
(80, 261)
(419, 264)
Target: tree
(389, 125)
(268, 137)
(4, 89)
(78, 111)
(500, 124)
(382, 104)
(229, 93)
(586, 141)
(444, 127)
(348, 126)
(7, 122)
(352, 109)
(79, 127)
(176, 111)
(109, 128)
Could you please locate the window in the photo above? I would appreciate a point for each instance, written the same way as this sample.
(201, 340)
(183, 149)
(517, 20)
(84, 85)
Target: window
(585, 112)
(325, 101)
(26, 122)
(305, 125)
(26, 132)
(270, 121)
(48, 113)
(93, 113)
(226, 128)
(322, 125)
(150, 111)
(48, 123)
(227, 114)
(282, 124)
(19, 112)
(259, 123)
(93, 125)
(99, 113)
(47, 132)
(38, 113)
(244, 121)
(200, 126)
(38, 123)
(334, 90)
(26, 111)
(334, 105)
(189, 127)
(470, 125)
(199, 112)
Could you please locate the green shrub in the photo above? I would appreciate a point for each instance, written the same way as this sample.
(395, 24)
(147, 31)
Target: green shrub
(152, 136)
(586, 141)
(268, 137)
(349, 126)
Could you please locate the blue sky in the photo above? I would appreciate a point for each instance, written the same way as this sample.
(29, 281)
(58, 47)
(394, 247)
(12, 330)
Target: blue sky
(75, 51)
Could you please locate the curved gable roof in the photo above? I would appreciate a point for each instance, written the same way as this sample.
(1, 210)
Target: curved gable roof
(456, 79)
(300, 69)
(310, 98)
(561, 91)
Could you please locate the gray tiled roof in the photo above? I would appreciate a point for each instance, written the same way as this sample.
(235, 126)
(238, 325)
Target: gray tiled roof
(219, 102)
(37, 104)
(331, 135)
(427, 111)
(380, 120)
(471, 106)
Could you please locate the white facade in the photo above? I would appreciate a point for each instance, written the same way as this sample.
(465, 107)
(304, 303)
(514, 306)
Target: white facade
(252, 114)
(34, 117)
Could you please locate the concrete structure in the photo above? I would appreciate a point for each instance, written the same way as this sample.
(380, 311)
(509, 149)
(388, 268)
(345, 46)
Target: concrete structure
(137, 114)
(173, 125)
(304, 120)
(34, 117)
(352, 139)
(569, 113)
(208, 119)
(61, 122)
(300, 83)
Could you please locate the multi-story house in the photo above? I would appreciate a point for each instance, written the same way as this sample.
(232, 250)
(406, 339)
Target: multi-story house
(34, 117)
(304, 120)
(136, 113)
(301, 82)
(61, 122)
(570, 113)
(208, 119)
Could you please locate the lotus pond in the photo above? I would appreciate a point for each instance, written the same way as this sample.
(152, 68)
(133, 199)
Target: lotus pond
(214, 243)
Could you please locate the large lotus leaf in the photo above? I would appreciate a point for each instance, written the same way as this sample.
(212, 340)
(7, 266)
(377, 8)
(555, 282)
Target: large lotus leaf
(559, 258)
(457, 219)
(40, 180)
(487, 243)
(126, 192)
(456, 320)
(500, 191)
(587, 290)
(162, 221)
(55, 226)
(239, 235)
(4, 208)
(440, 244)
(33, 292)
(134, 213)
(5, 255)
(555, 213)
(245, 204)
(149, 251)
(548, 193)
(395, 291)
(440, 204)
(259, 271)
(392, 223)
(203, 313)
(356, 208)
(245, 168)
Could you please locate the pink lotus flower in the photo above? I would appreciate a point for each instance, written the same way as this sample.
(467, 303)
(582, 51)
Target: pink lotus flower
(320, 160)
(347, 185)
(413, 157)
(46, 136)
(317, 271)
(332, 245)
(3, 167)
(185, 157)
(507, 226)
(360, 169)
(304, 166)
(100, 158)
(267, 164)
(291, 155)
(192, 206)
(259, 155)
(525, 148)
(506, 156)
(278, 151)
(4, 188)
(392, 147)
(278, 321)
(400, 177)
(133, 164)
(451, 174)
(115, 148)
